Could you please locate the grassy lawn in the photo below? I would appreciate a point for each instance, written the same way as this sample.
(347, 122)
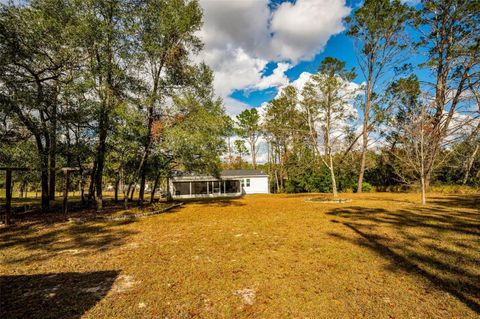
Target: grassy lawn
(33, 198)
(262, 256)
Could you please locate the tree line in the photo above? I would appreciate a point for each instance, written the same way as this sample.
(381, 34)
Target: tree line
(110, 87)
(113, 88)
(412, 130)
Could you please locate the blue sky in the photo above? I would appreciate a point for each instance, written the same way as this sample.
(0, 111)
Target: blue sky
(256, 47)
(338, 46)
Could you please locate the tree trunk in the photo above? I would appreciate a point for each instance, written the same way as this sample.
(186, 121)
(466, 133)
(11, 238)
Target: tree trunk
(21, 190)
(128, 190)
(155, 185)
(143, 162)
(44, 183)
(169, 195)
(117, 183)
(332, 176)
(101, 159)
(424, 174)
(125, 196)
(53, 151)
(423, 186)
(91, 187)
(44, 173)
(428, 179)
(148, 141)
(82, 191)
(254, 155)
(132, 193)
(124, 189)
(362, 168)
(8, 196)
(141, 191)
(106, 79)
(469, 164)
(365, 134)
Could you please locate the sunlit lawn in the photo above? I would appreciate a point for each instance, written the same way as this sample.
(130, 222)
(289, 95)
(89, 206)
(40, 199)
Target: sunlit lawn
(262, 256)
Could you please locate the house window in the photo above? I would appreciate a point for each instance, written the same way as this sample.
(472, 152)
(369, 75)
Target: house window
(243, 183)
(248, 182)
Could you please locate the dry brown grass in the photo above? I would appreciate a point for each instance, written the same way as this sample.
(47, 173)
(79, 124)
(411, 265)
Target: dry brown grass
(267, 256)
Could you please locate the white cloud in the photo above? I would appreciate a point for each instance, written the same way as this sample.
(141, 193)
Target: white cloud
(242, 36)
(302, 29)
(234, 107)
(276, 79)
(301, 81)
(235, 23)
(234, 69)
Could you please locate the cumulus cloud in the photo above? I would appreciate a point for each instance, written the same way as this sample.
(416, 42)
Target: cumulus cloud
(276, 79)
(233, 106)
(235, 23)
(302, 29)
(234, 69)
(242, 36)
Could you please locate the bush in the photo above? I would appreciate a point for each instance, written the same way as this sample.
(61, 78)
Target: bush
(292, 186)
(366, 187)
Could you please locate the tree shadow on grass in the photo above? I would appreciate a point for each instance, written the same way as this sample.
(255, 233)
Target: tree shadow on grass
(55, 295)
(40, 243)
(440, 245)
(464, 201)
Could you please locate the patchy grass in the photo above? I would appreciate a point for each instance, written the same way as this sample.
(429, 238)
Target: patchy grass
(267, 256)
(29, 209)
(113, 209)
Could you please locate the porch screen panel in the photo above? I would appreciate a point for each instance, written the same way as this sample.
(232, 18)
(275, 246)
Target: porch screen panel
(181, 188)
(215, 187)
(199, 188)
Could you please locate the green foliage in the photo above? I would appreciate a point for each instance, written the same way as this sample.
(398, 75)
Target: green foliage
(195, 139)
(248, 127)
(108, 86)
(377, 23)
(248, 123)
(317, 180)
(367, 187)
(240, 148)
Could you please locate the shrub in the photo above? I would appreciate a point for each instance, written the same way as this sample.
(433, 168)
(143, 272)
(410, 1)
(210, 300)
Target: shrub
(291, 186)
(366, 187)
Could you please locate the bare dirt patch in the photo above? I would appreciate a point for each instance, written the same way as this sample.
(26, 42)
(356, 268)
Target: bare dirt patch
(247, 295)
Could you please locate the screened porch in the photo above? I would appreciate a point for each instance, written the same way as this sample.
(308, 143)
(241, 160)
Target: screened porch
(206, 188)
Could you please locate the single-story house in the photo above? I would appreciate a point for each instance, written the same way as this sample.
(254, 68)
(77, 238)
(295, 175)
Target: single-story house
(234, 182)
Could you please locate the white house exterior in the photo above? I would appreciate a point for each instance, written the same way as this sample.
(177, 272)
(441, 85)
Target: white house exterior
(230, 183)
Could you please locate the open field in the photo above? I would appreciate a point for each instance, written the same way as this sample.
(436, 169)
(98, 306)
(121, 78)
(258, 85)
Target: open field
(262, 256)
